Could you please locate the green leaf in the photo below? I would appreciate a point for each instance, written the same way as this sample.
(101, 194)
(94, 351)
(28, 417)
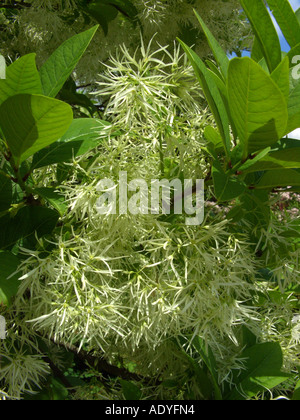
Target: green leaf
(249, 339)
(256, 52)
(296, 395)
(264, 30)
(131, 391)
(287, 20)
(103, 13)
(273, 179)
(2, 67)
(32, 122)
(227, 187)
(84, 134)
(209, 359)
(21, 77)
(57, 69)
(126, 7)
(203, 381)
(257, 106)
(280, 160)
(248, 165)
(58, 391)
(281, 76)
(5, 193)
(219, 54)
(28, 221)
(54, 198)
(293, 106)
(262, 371)
(255, 204)
(215, 69)
(213, 137)
(295, 51)
(212, 95)
(297, 13)
(9, 264)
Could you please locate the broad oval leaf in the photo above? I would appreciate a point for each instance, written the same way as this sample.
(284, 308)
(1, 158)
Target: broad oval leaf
(257, 105)
(261, 371)
(21, 77)
(32, 122)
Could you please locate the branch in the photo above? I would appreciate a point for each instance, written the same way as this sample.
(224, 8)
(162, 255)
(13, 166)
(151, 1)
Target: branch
(104, 367)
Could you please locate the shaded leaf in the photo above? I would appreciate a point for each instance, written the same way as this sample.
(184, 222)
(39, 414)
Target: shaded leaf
(227, 186)
(5, 193)
(9, 264)
(29, 221)
(262, 371)
(131, 391)
(84, 134)
(273, 179)
(32, 122)
(54, 198)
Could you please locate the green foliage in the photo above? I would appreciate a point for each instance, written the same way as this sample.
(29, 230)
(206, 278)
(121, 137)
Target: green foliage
(261, 107)
(261, 368)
